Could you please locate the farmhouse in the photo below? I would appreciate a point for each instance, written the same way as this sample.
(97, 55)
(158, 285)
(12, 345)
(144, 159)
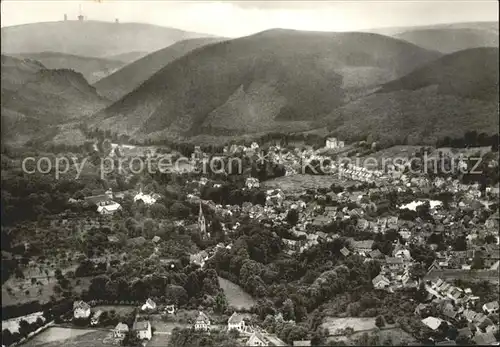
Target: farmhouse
(120, 330)
(490, 307)
(202, 322)
(143, 330)
(81, 310)
(263, 339)
(149, 305)
(380, 282)
(236, 322)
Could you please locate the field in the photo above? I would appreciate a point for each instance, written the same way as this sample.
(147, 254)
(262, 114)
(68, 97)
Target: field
(236, 296)
(13, 324)
(65, 337)
(297, 183)
(335, 325)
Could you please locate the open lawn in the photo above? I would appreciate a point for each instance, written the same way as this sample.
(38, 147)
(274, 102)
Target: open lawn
(335, 325)
(67, 337)
(235, 295)
(296, 183)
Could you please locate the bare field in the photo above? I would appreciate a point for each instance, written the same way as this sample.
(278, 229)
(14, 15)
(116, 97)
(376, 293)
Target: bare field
(296, 183)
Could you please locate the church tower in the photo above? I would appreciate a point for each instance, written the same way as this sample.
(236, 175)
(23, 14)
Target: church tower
(201, 222)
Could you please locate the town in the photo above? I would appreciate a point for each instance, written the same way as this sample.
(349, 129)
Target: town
(267, 255)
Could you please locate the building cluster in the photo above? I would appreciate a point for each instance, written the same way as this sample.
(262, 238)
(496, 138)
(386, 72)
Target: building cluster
(454, 306)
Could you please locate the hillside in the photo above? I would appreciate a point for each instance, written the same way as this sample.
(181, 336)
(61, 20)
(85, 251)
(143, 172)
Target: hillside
(127, 57)
(446, 97)
(89, 38)
(47, 100)
(93, 69)
(16, 72)
(260, 83)
(123, 81)
(471, 73)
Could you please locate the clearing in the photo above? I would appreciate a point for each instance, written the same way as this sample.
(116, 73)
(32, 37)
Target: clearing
(66, 337)
(235, 295)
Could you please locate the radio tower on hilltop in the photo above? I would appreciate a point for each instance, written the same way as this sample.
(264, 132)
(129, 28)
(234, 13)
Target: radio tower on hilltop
(80, 15)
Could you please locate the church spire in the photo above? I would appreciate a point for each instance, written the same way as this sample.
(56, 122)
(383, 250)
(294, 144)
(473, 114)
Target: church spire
(201, 222)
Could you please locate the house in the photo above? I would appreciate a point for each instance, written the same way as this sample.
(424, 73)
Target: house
(376, 254)
(148, 199)
(252, 182)
(81, 310)
(333, 143)
(108, 208)
(257, 339)
(380, 282)
(364, 246)
(95, 318)
(199, 258)
(432, 322)
(345, 252)
(143, 330)
(302, 343)
(120, 331)
(490, 307)
(156, 239)
(150, 305)
(464, 332)
(169, 309)
(202, 322)
(236, 322)
(484, 339)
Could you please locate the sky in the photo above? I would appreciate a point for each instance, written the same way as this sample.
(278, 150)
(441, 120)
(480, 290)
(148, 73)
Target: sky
(234, 19)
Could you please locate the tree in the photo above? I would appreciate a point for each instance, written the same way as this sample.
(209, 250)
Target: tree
(221, 303)
(292, 217)
(379, 321)
(288, 310)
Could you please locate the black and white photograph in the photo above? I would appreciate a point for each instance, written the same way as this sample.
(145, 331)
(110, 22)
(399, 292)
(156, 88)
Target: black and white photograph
(250, 173)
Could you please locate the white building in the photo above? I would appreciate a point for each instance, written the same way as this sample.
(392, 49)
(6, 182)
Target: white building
(120, 330)
(143, 330)
(252, 182)
(333, 143)
(202, 322)
(148, 199)
(236, 322)
(490, 307)
(81, 310)
(150, 305)
(109, 208)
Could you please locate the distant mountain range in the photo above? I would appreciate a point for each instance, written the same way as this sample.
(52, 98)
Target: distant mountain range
(414, 86)
(93, 69)
(274, 80)
(448, 38)
(123, 81)
(446, 97)
(90, 38)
